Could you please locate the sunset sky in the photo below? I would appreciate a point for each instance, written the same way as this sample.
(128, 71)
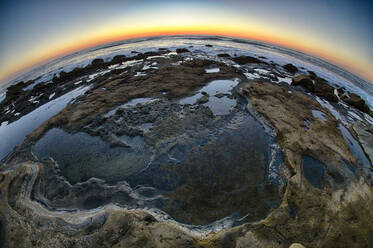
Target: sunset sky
(34, 31)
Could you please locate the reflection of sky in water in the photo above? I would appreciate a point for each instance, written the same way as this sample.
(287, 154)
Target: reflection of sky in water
(219, 106)
(14, 133)
(318, 114)
(354, 147)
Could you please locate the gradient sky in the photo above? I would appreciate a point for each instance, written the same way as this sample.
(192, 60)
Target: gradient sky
(33, 31)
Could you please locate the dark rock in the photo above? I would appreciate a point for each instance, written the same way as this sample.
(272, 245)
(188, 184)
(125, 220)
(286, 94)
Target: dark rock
(324, 90)
(97, 61)
(182, 50)
(305, 81)
(290, 68)
(17, 88)
(242, 60)
(118, 59)
(208, 45)
(356, 101)
(341, 90)
(312, 74)
(149, 218)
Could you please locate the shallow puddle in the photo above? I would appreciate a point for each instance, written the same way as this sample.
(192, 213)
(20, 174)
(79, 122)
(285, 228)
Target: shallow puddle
(81, 156)
(213, 180)
(313, 171)
(218, 101)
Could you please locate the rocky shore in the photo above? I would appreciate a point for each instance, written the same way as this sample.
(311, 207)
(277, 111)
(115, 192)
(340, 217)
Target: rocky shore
(321, 195)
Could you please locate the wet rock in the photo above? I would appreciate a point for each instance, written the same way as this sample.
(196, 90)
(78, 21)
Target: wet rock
(208, 45)
(312, 75)
(365, 136)
(97, 62)
(290, 68)
(324, 90)
(305, 81)
(356, 101)
(242, 60)
(341, 90)
(118, 59)
(182, 50)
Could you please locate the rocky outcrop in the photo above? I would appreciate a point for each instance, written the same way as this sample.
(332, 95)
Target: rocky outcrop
(324, 90)
(356, 101)
(305, 81)
(316, 85)
(287, 113)
(176, 81)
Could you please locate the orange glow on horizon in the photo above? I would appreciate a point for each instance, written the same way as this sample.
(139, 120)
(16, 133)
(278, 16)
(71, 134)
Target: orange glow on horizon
(149, 32)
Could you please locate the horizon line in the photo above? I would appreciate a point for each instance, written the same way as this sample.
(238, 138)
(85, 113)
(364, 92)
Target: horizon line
(6, 80)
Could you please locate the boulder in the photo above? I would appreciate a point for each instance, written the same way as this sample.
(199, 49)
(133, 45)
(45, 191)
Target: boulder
(305, 81)
(356, 101)
(324, 90)
(290, 68)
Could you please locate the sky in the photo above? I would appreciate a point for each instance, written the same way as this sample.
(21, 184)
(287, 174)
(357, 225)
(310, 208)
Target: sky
(33, 32)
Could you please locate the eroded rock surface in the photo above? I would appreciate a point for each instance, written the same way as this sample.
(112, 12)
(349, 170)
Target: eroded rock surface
(210, 180)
